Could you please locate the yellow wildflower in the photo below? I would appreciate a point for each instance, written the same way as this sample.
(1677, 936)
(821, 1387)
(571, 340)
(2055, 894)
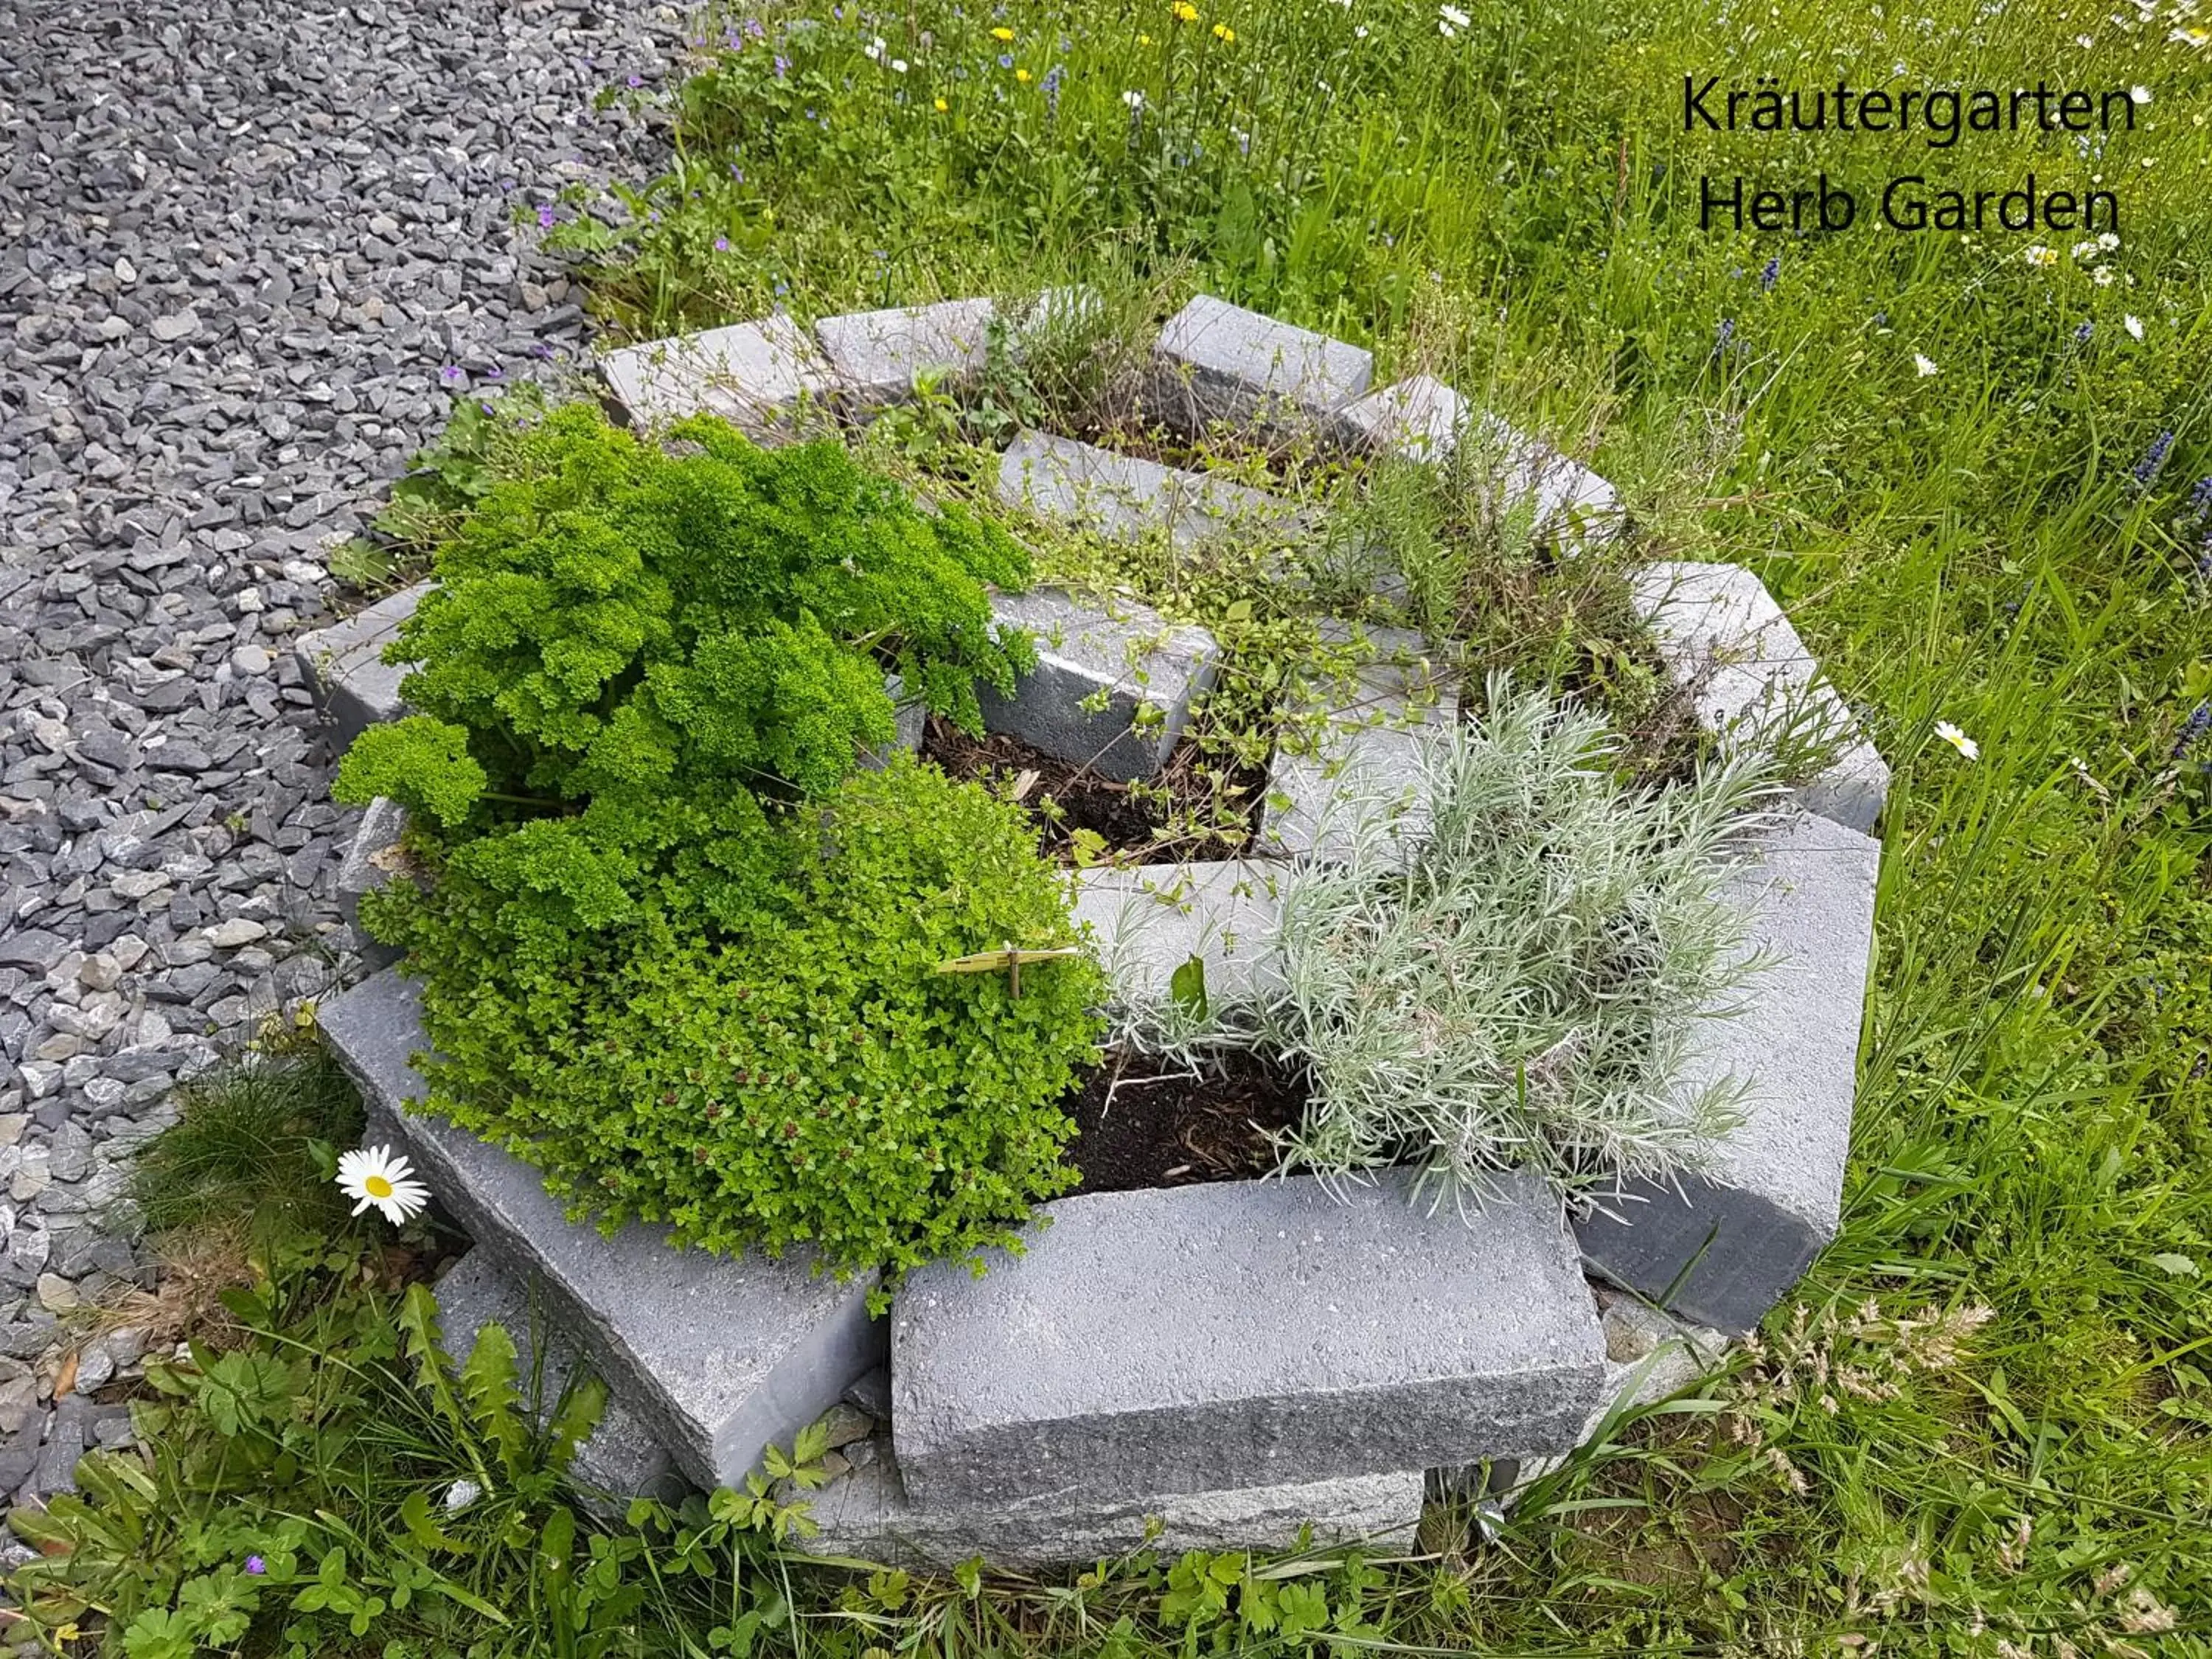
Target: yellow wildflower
(1185, 11)
(942, 106)
(1002, 35)
(1144, 39)
(1021, 74)
(1223, 33)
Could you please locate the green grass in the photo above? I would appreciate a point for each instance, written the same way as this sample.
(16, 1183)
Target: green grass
(253, 1145)
(1517, 208)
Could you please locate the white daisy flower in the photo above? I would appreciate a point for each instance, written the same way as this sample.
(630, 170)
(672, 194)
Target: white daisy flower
(1958, 739)
(1924, 366)
(1134, 99)
(2102, 276)
(375, 1175)
(1450, 19)
(2134, 327)
(2139, 94)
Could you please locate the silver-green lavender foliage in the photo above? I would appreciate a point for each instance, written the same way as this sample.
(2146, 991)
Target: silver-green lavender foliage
(1518, 980)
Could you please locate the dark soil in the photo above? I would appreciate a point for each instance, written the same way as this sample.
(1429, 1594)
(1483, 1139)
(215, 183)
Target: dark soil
(1164, 820)
(1178, 1131)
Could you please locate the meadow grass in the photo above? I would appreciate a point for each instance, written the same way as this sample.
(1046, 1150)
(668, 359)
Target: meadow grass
(1965, 461)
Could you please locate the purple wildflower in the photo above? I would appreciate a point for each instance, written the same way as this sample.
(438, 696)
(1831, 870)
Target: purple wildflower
(754, 29)
(632, 81)
(783, 288)
(546, 217)
(2081, 334)
(1726, 339)
(2193, 730)
(485, 407)
(782, 66)
(2199, 497)
(255, 1566)
(494, 372)
(2153, 458)
(450, 374)
(722, 245)
(1006, 60)
(1770, 274)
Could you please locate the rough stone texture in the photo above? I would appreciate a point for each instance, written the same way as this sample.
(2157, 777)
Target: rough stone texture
(622, 1460)
(1202, 1339)
(1422, 419)
(1729, 1244)
(345, 664)
(1123, 498)
(875, 355)
(1216, 361)
(866, 1514)
(1150, 920)
(764, 377)
(1370, 750)
(252, 256)
(723, 1355)
(1148, 673)
(1721, 634)
(368, 866)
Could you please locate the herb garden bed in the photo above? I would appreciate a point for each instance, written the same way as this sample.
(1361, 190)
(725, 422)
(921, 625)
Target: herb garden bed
(1236, 1358)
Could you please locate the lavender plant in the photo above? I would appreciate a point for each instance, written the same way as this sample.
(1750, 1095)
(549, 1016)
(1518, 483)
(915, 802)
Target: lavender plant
(1518, 980)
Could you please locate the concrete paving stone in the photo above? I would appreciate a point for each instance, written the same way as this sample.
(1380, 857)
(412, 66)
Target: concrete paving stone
(1125, 498)
(1138, 674)
(875, 355)
(623, 1458)
(367, 865)
(1216, 361)
(1422, 419)
(722, 1355)
(1722, 1247)
(1721, 632)
(344, 663)
(1370, 748)
(866, 1514)
(766, 377)
(1216, 1337)
(1150, 919)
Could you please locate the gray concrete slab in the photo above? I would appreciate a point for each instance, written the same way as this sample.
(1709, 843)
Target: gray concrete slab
(1126, 498)
(1149, 919)
(369, 864)
(876, 355)
(1724, 1247)
(866, 1514)
(1209, 1338)
(1216, 361)
(1369, 748)
(1114, 683)
(723, 1354)
(1720, 631)
(623, 1458)
(764, 377)
(344, 663)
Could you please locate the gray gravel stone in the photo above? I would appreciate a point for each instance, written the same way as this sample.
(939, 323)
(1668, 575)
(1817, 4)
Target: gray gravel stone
(251, 256)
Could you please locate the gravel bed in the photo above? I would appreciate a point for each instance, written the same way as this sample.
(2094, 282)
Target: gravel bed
(249, 253)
